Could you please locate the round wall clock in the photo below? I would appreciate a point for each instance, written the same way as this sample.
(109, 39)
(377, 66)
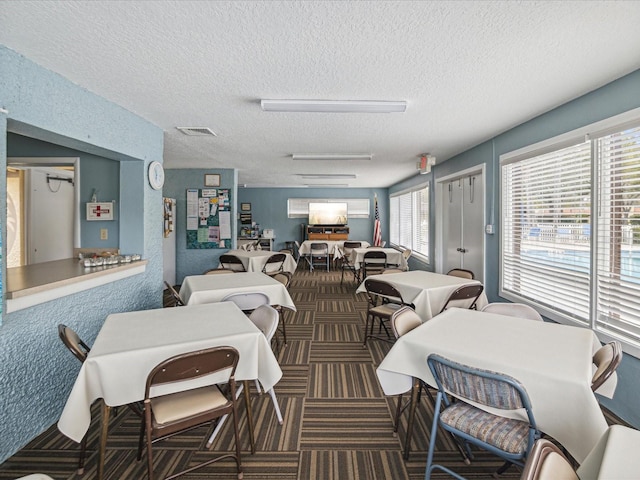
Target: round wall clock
(156, 175)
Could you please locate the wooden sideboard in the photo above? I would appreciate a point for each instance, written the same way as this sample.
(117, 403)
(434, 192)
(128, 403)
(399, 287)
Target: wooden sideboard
(323, 232)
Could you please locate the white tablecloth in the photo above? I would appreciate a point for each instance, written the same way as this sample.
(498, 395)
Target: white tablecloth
(427, 291)
(334, 246)
(255, 260)
(552, 361)
(615, 456)
(197, 289)
(394, 256)
(131, 344)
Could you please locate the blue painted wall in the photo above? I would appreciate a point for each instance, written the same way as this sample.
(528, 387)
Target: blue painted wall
(269, 210)
(97, 173)
(36, 371)
(617, 97)
(190, 261)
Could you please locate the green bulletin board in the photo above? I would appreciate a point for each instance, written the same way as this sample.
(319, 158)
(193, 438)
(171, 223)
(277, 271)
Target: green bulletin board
(208, 218)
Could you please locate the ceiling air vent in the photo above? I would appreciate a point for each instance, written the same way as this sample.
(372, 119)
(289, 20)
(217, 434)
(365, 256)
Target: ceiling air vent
(197, 131)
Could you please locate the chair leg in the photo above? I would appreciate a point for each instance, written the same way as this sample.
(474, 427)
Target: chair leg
(223, 419)
(432, 437)
(276, 405)
(83, 450)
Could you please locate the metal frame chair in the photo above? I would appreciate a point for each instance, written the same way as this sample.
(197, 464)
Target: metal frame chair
(175, 413)
(247, 301)
(218, 271)
(80, 350)
(345, 263)
(606, 359)
(462, 273)
(510, 439)
(374, 262)
(391, 301)
(466, 292)
(547, 462)
(519, 310)
(319, 251)
(231, 262)
(175, 295)
(285, 279)
(274, 264)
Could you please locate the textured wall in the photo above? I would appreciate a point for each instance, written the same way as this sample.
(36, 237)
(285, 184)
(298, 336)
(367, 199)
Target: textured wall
(36, 371)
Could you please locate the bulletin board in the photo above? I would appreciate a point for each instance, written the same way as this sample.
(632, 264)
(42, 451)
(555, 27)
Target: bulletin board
(208, 218)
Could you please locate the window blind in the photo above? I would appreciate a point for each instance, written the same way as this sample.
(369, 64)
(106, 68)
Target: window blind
(618, 239)
(409, 220)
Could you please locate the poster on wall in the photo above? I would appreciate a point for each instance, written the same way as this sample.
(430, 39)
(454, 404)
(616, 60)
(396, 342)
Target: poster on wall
(208, 218)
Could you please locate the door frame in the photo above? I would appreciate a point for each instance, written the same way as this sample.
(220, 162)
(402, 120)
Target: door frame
(439, 190)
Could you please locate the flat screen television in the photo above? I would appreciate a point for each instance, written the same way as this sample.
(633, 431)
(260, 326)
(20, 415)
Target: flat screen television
(328, 213)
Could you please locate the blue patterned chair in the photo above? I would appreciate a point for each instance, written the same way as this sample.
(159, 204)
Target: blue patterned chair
(510, 439)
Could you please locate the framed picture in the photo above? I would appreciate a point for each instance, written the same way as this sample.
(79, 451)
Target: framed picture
(211, 180)
(245, 207)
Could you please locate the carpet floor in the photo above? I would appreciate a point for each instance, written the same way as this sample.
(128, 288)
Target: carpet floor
(338, 424)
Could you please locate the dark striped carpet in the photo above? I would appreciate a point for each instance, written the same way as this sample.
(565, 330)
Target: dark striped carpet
(337, 421)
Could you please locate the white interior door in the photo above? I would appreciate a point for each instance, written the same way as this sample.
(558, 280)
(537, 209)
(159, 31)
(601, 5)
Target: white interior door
(50, 199)
(462, 220)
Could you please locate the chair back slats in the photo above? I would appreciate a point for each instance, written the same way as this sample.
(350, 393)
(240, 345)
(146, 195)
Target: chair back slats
(464, 293)
(606, 359)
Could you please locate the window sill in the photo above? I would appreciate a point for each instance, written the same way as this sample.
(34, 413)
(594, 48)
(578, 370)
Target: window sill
(34, 284)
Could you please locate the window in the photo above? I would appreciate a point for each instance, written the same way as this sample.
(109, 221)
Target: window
(571, 231)
(356, 207)
(409, 220)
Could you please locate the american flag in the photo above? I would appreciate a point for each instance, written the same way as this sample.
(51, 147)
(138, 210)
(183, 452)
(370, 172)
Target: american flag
(377, 232)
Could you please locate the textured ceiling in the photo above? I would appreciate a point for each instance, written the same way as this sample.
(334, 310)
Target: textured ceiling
(468, 70)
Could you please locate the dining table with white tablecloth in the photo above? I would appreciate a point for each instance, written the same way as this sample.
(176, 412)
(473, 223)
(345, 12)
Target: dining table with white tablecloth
(130, 344)
(614, 457)
(427, 291)
(197, 289)
(552, 361)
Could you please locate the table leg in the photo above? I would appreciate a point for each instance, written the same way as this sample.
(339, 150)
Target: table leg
(415, 390)
(106, 413)
(247, 400)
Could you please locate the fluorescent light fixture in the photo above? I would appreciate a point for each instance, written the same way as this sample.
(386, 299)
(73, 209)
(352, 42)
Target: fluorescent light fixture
(332, 156)
(326, 185)
(326, 176)
(334, 106)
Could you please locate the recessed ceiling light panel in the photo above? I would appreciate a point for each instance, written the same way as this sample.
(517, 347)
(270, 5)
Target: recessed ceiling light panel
(326, 176)
(332, 156)
(334, 106)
